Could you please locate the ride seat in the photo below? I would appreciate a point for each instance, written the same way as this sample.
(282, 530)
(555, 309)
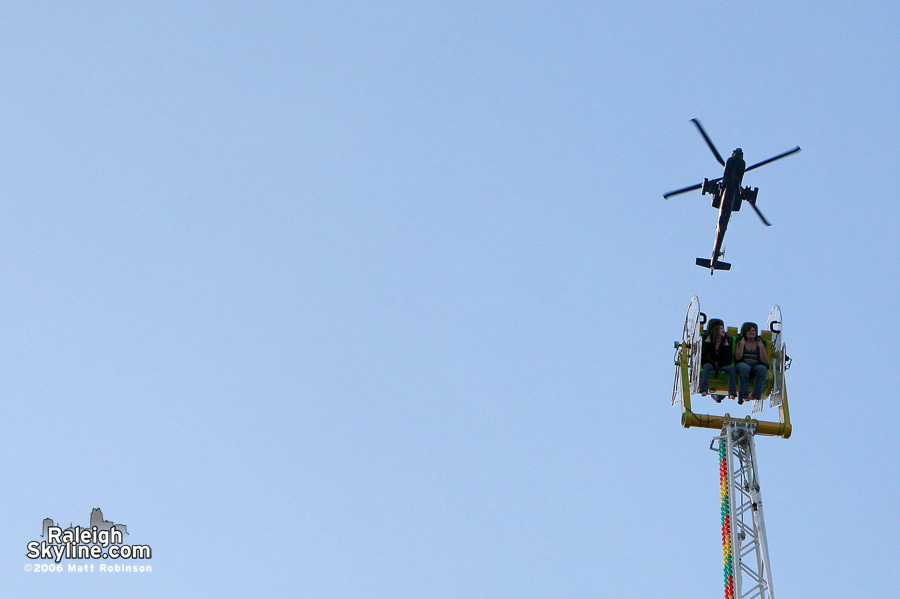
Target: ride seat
(718, 381)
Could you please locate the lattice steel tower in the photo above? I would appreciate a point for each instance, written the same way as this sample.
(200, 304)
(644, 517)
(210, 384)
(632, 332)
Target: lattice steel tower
(745, 552)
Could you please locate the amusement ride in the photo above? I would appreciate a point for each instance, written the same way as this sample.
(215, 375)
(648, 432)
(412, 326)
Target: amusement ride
(747, 571)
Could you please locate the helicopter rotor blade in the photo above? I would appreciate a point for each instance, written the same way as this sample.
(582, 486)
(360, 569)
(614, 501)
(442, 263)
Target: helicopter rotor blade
(772, 159)
(759, 214)
(682, 190)
(691, 188)
(709, 142)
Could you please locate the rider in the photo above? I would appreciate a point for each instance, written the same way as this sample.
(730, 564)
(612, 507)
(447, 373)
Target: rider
(716, 356)
(750, 356)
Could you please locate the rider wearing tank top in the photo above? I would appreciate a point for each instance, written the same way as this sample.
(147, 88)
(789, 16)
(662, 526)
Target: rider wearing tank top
(750, 358)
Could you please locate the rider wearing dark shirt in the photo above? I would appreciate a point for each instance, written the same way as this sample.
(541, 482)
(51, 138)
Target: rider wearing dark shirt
(716, 358)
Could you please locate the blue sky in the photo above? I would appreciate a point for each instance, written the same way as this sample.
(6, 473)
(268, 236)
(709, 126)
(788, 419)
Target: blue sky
(378, 299)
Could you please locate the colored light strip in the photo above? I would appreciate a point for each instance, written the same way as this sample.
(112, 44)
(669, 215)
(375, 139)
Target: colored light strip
(726, 521)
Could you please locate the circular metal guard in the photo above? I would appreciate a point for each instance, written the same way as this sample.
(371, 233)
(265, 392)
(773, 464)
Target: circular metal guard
(779, 362)
(691, 340)
(687, 334)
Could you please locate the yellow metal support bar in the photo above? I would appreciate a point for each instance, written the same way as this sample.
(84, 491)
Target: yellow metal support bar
(689, 419)
(774, 429)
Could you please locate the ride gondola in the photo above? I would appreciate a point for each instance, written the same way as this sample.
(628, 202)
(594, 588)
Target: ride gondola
(688, 365)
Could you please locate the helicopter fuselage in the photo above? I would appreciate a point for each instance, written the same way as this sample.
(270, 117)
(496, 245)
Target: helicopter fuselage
(727, 198)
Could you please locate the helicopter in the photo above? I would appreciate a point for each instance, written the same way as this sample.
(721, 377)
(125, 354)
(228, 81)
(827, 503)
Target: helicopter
(727, 195)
